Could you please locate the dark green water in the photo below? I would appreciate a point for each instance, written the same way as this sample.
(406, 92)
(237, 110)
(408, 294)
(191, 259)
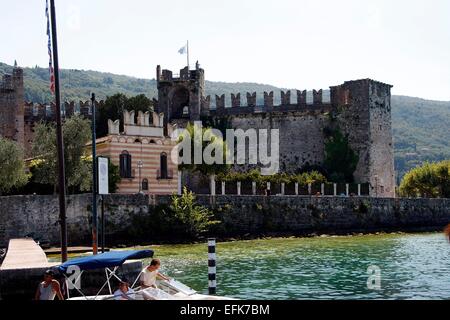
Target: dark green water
(412, 267)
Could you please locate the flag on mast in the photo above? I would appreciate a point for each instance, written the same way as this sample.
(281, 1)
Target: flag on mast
(185, 50)
(50, 63)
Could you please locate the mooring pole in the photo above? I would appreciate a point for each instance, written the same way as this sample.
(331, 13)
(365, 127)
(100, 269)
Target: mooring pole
(59, 138)
(103, 224)
(94, 181)
(212, 284)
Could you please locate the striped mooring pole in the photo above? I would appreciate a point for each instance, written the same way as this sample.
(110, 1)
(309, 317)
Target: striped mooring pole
(212, 266)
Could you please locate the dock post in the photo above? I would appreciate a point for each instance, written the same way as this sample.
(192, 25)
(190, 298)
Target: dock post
(212, 284)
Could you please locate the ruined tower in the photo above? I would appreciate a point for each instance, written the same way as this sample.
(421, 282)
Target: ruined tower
(365, 116)
(180, 97)
(12, 106)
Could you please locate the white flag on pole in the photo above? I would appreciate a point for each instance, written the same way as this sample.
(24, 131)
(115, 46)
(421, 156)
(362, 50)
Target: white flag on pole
(183, 50)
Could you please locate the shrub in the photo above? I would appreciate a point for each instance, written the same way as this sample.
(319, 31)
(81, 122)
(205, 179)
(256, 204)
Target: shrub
(430, 180)
(187, 218)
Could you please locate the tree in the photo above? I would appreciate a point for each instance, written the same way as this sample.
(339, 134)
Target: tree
(306, 178)
(340, 160)
(12, 169)
(139, 103)
(76, 133)
(114, 107)
(187, 217)
(214, 143)
(113, 175)
(431, 180)
(214, 146)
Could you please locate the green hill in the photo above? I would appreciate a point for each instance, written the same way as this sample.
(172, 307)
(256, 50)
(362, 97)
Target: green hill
(420, 126)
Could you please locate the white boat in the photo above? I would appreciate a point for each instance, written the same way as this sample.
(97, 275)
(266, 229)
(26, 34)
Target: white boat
(111, 261)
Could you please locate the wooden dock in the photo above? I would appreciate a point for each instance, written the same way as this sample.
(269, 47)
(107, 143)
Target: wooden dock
(72, 250)
(25, 254)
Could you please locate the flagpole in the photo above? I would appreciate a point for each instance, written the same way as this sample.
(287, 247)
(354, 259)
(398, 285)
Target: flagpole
(59, 137)
(187, 46)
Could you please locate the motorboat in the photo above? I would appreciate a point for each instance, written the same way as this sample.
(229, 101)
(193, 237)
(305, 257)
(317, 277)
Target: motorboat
(111, 261)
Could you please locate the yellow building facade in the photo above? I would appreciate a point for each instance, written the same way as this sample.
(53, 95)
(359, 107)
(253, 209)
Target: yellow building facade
(142, 150)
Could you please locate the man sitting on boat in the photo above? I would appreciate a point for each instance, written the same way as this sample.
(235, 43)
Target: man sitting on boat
(150, 274)
(124, 292)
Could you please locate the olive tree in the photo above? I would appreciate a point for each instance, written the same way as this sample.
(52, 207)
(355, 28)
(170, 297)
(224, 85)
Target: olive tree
(12, 169)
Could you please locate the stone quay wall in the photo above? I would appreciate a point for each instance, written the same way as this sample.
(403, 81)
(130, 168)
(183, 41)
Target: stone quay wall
(37, 216)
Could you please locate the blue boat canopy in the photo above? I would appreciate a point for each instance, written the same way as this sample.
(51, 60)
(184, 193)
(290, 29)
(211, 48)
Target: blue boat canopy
(105, 260)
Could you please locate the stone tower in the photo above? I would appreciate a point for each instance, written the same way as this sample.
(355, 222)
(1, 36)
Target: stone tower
(365, 116)
(12, 106)
(180, 96)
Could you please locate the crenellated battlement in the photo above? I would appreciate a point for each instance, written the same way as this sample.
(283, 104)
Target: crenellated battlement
(143, 127)
(35, 112)
(289, 101)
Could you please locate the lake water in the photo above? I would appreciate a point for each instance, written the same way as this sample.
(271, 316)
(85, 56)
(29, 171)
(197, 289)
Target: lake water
(413, 266)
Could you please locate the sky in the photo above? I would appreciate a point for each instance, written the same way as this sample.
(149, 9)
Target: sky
(303, 44)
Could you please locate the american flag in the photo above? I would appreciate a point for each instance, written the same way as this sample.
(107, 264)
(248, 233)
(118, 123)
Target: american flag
(50, 63)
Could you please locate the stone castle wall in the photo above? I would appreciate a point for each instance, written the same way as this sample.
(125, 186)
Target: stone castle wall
(18, 118)
(361, 109)
(37, 216)
(301, 136)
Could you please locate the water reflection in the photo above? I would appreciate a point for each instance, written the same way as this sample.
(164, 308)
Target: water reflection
(412, 266)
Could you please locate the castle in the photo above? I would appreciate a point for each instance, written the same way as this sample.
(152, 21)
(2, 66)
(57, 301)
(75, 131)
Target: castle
(18, 117)
(361, 109)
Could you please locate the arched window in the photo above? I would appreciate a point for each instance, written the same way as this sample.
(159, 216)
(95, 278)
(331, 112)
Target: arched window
(145, 185)
(163, 166)
(125, 165)
(186, 111)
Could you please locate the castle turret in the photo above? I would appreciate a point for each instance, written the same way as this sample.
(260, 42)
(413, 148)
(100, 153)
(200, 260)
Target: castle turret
(365, 118)
(180, 97)
(12, 106)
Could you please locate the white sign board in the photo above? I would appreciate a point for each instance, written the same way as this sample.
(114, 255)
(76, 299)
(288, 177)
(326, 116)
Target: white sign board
(103, 175)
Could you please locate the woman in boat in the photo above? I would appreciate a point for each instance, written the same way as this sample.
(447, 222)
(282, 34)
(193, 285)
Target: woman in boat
(49, 288)
(150, 274)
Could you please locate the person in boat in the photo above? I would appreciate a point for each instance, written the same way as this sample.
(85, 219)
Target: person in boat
(49, 288)
(124, 292)
(150, 274)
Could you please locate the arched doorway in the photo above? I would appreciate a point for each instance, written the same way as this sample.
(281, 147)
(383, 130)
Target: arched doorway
(180, 103)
